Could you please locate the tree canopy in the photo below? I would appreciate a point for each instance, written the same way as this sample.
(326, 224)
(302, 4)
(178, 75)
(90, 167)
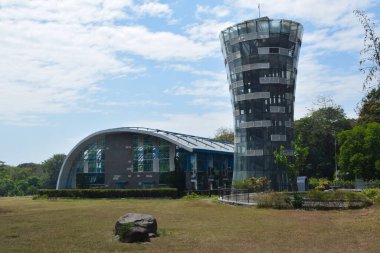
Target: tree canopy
(27, 178)
(224, 134)
(369, 109)
(51, 168)
(293, 164)
(318, 131)
(360, 152)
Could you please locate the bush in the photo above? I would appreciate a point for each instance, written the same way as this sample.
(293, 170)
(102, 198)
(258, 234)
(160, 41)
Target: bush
(323, 184)
(297, 201)
(319, 184)
(373, 194)
(111, 193)
(254, 184)
(346, 184)
(240, 184)
(277, 200)
(339, 196)
(376, 200)
(313, 182)
(192, 195)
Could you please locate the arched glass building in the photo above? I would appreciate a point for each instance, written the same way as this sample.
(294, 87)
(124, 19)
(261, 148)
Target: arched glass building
(134, 157)
(261, 58)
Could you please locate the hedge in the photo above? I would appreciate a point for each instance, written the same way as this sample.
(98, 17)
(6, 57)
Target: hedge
(110, 193)
(314, 200)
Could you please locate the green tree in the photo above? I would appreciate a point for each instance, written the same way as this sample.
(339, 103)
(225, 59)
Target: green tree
(51, 168)
(224, 134)
(360, 152)
(6, 187)
(293, 164)
(318, 130)
(369, 109)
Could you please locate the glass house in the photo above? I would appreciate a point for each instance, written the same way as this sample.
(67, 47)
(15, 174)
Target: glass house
(135, 157)
(261, 57)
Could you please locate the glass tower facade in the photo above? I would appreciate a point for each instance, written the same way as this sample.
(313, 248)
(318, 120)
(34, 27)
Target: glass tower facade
(261, 57)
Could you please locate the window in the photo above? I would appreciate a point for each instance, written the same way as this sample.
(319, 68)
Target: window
(274, 50)
(262, 26)
(275, 26)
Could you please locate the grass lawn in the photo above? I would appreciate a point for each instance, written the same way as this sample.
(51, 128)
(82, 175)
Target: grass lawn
(201, 225)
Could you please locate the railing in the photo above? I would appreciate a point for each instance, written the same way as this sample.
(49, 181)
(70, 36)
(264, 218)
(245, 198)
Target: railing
(237, 196)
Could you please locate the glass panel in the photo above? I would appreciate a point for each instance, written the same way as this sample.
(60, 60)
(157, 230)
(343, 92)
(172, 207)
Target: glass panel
(164, 165)
(148, 165)
(251, 27)
(226, 35)
(300, 32)
(262, 26)
(275, 26)
(242, 29)
(273, 50)
(285, 26)
(234, 32)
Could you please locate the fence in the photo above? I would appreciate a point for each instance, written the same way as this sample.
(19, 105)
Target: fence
(237, 196)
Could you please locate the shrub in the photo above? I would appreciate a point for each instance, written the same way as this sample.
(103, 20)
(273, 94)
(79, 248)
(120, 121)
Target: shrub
(323, 184)
(346, 184)
(319, 184)
(297, 201)
(192, 195)
(353, 198)
(313, 182)
(277, 200)
(111, 193)
(376, 200)
(373, 194)
(254, 184)
(240, 184)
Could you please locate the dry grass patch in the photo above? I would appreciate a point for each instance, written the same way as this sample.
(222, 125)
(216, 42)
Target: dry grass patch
(185, 226)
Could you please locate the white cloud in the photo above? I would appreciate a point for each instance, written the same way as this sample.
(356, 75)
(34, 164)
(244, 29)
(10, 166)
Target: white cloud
(137, 103)
(211, 103)
(215, 85)
(153, 9)
(321, 13)
(219, 11)
(200, 123)
(207, 31)
(53, 54)
(190, 69)
(160, 46)
(316, 79)
(197, 91)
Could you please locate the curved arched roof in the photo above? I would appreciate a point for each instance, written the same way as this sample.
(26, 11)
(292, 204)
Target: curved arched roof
(185, 141)
(188, 142)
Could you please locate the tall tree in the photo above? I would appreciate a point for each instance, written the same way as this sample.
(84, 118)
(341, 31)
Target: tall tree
(360, 152)
(370, 54)
(369, 109)
(293, 164)
(318, 131)
(51, 168)
(224, 134)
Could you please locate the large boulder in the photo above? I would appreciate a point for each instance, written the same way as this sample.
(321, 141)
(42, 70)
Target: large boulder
(136, 227)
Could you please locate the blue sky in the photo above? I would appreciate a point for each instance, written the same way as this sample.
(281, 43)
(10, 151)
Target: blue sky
(72, 67)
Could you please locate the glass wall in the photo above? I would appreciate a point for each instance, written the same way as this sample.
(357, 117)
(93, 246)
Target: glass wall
(142, 161)
(146, 149)
(261, 58)
(89, 165)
